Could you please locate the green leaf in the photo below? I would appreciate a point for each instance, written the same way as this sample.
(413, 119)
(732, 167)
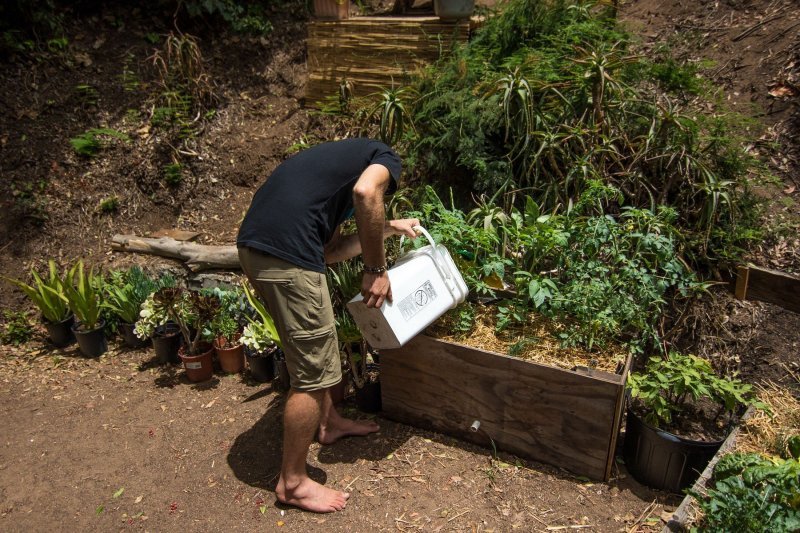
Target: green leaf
(119, 492)
(99, 510)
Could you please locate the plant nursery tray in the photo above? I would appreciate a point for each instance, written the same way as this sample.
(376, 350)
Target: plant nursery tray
(567, 418)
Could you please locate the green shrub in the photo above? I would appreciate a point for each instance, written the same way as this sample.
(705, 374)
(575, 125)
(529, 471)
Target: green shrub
(125, 292)
(16, 328)
(669, 385)
(752, 493)
(89, 143)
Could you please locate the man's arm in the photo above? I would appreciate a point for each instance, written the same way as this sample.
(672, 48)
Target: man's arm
(368, 195)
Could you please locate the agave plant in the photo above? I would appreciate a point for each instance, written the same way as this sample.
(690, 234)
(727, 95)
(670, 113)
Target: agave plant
(84, 292)
(47, 293)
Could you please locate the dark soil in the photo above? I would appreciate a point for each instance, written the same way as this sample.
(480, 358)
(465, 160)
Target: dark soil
(205, 457)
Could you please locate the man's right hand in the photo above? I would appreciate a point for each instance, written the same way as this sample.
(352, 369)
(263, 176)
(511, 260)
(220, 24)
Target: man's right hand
(375, 288)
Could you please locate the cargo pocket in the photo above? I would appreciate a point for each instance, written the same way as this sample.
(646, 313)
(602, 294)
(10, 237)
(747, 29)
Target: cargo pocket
(313, 362)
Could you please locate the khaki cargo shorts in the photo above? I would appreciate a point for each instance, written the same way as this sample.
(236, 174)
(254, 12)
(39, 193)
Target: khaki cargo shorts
(300, 305)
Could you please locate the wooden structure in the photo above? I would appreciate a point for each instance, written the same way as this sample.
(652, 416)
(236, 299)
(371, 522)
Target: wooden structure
(772, 286)
(372, 53)
(569, 419)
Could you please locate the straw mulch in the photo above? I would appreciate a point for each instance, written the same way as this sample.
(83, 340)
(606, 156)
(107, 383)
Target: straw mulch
(768, 433)
(536, 341)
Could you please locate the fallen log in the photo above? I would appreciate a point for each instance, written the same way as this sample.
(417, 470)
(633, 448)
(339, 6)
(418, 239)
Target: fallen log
(196, 256)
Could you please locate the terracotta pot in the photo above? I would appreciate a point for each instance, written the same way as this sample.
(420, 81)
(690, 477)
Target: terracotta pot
(198, 367)
(230, 359)
(92, 342)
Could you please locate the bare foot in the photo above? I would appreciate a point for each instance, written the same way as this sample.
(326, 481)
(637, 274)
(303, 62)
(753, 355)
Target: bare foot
(311, 496)
(344, 427)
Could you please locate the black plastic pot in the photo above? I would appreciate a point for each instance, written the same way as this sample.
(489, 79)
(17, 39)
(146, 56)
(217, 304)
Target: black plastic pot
(282, 382)
(129, 337)
(368, 397)
(262, 365)
(60, 333)
(661, 460)
(166, 342)
(92, 342)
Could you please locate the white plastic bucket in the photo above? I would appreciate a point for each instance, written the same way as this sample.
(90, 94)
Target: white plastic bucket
(425, 284)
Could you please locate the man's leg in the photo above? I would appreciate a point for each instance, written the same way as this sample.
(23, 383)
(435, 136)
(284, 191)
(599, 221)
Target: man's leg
(332, 426)
(300, 420)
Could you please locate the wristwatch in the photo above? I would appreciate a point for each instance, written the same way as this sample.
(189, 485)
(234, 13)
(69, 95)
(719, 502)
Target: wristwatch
(375, 270)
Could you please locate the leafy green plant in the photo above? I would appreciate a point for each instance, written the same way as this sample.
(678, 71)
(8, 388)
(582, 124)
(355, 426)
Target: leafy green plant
(16, 328)
(87, 94)
(125, 292)
(84, 292)
(260, 333)
(173, 174)
(247, 17)
(233, 308)
(750, 492)
(48, 293)
(192, 311)
(89, 143)
(670, 386)
(108, 205)
(392, 114)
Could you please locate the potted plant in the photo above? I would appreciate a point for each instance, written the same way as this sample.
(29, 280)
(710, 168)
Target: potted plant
(679, 415)
(262, 344)
(126, 292)
(49, 297)
(84, 293)
(226, 329)
(191, 312)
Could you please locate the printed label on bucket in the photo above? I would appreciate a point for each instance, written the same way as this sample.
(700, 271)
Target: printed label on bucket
(414, 302)
(194, 366)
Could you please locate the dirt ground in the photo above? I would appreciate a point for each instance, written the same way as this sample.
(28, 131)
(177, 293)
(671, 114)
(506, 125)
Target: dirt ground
(120, 443)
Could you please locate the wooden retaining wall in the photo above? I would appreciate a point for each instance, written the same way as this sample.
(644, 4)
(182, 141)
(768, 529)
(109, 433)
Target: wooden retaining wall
(773, 286)
(374, 52)
(569, 419)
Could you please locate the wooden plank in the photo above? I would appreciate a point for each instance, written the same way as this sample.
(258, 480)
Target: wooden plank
(544, 413)
(742, 273)
(177, 234)
(770, 286)
(374, 52)
(612, 445)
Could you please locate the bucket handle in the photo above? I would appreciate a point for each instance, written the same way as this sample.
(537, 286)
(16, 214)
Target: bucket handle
(439, 261)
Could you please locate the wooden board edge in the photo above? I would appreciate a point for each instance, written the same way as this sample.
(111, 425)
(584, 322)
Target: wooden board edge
(742, 274)
(617, 424)
(600, 375)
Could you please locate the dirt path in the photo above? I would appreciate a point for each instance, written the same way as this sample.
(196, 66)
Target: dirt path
(205, 458)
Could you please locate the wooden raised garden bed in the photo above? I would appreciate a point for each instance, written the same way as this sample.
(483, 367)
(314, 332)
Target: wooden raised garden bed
(565, 418)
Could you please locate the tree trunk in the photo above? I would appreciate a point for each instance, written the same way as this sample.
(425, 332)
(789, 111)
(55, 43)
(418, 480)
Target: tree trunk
(196, 256)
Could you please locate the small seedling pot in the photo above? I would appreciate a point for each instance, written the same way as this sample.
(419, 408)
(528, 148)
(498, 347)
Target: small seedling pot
(368, 397)
(282, 381)
(92, 342)
(166, 343)
(198, 367)
(60, 333)
(662, 460)
(262, 365)
(231, 360)
(129, 338)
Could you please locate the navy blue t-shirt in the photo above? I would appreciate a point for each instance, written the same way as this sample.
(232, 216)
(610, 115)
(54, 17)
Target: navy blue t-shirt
(295, 212)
